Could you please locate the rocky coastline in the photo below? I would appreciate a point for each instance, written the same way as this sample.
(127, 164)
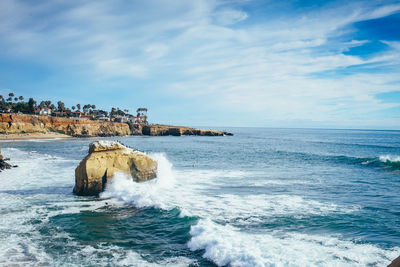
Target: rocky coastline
(21, 124)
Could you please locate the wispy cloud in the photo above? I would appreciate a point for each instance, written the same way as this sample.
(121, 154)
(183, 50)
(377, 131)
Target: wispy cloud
(214, 54)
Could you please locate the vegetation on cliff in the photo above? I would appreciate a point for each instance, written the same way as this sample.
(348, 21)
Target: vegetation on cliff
(20, 123)
(14, 104)
(18, 117)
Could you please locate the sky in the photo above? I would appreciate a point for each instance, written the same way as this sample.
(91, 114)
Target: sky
(318, 64)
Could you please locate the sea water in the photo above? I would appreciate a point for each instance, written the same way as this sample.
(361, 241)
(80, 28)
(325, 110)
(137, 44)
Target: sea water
(264, 197)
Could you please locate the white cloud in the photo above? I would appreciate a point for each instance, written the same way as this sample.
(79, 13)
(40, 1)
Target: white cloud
(229, 16)
(266, 68)
(118, 67)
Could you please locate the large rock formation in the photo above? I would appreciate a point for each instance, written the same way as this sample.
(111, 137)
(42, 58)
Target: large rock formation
(20, 123)
(104, 159)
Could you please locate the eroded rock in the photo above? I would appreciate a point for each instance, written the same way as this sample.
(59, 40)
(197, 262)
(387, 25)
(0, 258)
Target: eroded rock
(104, 159)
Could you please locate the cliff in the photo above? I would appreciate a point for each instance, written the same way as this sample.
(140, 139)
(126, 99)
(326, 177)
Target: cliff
(20, 123)
(156, 130)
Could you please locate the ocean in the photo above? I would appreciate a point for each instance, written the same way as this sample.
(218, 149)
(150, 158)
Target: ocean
(263, 197)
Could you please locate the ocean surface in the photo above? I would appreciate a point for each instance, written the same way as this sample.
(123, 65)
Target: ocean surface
(264, 197)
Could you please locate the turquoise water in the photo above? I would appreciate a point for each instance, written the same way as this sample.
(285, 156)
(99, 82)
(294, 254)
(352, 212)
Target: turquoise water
(264, 197)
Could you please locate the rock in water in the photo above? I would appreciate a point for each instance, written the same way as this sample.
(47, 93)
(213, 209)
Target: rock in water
(104, 159)
(395, 262)
(3, 164)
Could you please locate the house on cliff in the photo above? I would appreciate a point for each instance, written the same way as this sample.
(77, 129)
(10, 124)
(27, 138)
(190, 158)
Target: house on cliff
(121, 119)
(43, 111)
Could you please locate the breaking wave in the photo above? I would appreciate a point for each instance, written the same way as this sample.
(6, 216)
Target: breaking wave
(146, 194)
(386, 162)
(228, 246)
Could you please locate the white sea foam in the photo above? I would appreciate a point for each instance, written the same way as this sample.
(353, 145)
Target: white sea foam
(195, 193)
(31, 193)
(145, 194)
(226, 245)
(388, 158)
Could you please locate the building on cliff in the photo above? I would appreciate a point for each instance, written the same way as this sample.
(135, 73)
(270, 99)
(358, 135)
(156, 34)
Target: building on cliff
(121, 119)
(43, 111)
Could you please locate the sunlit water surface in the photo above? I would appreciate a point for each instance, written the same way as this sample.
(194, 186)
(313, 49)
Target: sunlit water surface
(264, 197)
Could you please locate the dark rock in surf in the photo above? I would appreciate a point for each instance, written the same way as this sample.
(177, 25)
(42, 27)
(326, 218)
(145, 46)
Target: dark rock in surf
(3, 164)
(395, 262)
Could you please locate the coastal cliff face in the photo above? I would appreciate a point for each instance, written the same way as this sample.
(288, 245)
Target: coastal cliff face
(156, 130)
(19, 123)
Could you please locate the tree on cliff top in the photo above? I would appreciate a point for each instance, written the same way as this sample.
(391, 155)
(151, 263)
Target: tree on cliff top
(31, 105)
(61, 106)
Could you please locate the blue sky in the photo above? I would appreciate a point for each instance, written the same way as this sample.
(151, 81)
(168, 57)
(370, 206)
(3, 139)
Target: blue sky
(333, 64)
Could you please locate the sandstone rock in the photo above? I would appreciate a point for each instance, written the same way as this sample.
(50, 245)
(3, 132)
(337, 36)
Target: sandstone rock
(157, 129)
(104, 159)
(21, 123)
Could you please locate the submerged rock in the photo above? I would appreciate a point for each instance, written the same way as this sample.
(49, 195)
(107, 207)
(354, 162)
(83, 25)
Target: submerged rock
(104, 159)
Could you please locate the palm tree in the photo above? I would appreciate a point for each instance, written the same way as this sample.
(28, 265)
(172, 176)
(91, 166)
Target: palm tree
(61, 106)
(15, 99)
(11, 94)
(79, 107)
(73, 107)
(21, 98)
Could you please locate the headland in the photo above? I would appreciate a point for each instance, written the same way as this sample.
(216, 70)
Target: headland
(22, 126)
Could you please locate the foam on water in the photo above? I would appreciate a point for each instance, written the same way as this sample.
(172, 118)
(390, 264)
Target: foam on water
(387, 158)
(226, 245)
(31, 192)
(37, 190)
(188, 191)
(145, 194)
